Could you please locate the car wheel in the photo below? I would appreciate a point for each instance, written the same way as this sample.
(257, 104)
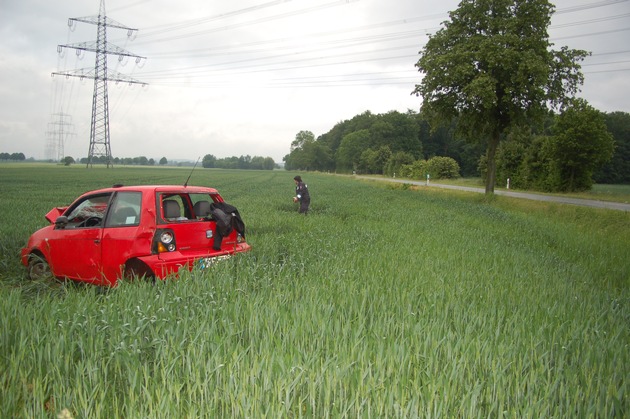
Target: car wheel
(38, 267)
(135, 269)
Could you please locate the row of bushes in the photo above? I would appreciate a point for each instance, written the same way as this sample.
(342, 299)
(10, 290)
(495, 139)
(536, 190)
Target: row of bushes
(436, 167)
(404, 165)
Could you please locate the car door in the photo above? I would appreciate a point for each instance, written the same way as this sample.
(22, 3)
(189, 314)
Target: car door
(123, 236)
(75, 247)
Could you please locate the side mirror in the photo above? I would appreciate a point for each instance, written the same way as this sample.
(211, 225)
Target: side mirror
(61, 222)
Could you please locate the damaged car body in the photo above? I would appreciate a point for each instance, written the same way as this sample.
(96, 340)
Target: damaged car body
(126, 231)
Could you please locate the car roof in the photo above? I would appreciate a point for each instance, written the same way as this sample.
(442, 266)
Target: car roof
(156, 188)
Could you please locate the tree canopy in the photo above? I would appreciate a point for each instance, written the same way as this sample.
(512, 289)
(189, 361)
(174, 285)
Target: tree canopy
(492, 67)
(581, 145)
(617, 170)
(12, 156)
(362, 143)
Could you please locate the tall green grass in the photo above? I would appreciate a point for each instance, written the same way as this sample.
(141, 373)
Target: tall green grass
(382, 302)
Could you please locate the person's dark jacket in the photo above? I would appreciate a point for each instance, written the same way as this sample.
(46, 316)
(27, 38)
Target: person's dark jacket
(301, 191)
(227, 219)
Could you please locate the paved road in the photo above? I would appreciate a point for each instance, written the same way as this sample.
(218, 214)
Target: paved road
(536, 197)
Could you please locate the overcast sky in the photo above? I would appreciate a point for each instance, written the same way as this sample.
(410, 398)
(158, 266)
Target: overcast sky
(233, 78)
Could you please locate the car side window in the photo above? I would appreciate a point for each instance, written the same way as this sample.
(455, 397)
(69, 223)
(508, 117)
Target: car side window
(125, 209)
(89, 212)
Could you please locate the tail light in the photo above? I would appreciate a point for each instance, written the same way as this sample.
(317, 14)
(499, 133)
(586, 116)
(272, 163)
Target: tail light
(164, 241)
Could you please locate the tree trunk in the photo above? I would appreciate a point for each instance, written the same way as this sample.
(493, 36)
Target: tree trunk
(491, 175)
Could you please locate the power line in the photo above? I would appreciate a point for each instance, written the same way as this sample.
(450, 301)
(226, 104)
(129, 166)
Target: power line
(281, 55)
(268, 52)
(589, 6)
(249, 23)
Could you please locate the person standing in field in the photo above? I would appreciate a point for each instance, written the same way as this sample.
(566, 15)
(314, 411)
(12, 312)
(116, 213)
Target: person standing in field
(301, 195)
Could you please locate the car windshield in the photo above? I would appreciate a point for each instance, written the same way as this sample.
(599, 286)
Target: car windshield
(90, 207)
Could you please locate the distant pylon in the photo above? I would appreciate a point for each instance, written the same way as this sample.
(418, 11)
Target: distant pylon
(99, 131)
(58, 131)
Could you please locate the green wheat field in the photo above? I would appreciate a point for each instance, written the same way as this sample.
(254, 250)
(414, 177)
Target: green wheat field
(385, 301)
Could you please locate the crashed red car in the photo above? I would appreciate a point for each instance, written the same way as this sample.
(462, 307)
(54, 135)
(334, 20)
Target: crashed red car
(126, 231)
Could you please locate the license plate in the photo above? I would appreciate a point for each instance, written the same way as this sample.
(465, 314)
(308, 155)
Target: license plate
(208, 262)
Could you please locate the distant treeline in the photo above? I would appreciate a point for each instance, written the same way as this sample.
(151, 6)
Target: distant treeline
(126, 161)
(12, 156)
(392, 143)
(242, 162)
(209, 161)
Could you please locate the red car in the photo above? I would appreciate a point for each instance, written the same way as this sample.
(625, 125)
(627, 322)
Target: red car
(126, 231)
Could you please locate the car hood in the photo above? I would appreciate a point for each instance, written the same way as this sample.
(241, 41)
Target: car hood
(54, 213)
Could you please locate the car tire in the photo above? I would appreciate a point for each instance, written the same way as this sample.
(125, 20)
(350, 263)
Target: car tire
(135, 269)
(38, 267)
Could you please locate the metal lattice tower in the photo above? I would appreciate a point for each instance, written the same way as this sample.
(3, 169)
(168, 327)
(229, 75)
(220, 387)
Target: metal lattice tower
(58, 131)
(99, 131)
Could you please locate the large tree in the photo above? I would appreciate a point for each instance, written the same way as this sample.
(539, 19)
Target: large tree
(298, 159)
(581, 144)
(308, 154)
(492, 67)
(350, 149)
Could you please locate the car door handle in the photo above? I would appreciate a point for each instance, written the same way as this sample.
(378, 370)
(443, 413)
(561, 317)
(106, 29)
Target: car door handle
(97, 241)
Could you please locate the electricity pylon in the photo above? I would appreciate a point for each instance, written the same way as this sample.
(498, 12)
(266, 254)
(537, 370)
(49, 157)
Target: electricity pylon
(58, 131)
(99, 131)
